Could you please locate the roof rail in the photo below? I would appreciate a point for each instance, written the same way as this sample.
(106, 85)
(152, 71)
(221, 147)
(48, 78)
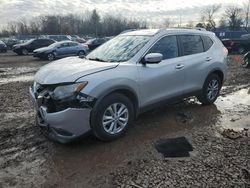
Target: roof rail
(196, 28)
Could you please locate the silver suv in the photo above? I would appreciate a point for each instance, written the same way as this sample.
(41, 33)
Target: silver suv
(127, 75)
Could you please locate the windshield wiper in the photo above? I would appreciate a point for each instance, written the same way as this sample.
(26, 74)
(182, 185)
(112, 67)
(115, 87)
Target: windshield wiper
(96, 59)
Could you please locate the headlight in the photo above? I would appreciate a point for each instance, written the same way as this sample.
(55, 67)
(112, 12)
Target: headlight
(66, 91)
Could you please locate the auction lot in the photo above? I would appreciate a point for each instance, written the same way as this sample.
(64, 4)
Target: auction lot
(220, 156)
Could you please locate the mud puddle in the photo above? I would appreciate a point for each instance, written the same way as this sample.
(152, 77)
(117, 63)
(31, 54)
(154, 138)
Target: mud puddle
(4, 72)
(17, 74)
(21, 78)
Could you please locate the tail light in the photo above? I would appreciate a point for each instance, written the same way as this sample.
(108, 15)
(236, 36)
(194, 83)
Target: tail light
(225, 51)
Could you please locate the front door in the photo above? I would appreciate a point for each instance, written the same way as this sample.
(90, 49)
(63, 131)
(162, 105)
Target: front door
(165, 79)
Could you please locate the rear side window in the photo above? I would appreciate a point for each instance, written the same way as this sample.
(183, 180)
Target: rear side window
(73, 44)
(167, 46)
(191, 44)
(207, 41)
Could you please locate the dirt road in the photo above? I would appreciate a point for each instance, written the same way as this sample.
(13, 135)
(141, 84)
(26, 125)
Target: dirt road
(27, 159)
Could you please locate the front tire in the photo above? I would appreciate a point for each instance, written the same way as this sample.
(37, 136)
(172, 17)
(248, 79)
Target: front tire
(51, 56)
(210, 90)
(112, 116)
(241, 50)
(25, 51)
(246, 63)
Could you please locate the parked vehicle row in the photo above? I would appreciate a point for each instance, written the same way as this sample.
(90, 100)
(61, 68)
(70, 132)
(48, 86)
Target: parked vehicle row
(50, 49)
(124, 77)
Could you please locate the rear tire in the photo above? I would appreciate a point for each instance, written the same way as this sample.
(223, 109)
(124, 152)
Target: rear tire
(81, 53)
(112, 116)
(210, 90)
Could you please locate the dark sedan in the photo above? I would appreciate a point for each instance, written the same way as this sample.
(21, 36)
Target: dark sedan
(94, 43)
(239, 46)
(31, 45)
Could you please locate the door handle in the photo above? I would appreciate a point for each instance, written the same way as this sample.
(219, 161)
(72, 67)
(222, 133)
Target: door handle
(208, 58)
(179, 66)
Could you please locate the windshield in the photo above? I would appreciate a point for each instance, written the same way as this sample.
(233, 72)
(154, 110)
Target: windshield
(56, 44)
(119, 49)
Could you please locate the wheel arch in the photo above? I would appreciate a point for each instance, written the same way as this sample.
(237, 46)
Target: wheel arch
(217, 72)
(126, 91)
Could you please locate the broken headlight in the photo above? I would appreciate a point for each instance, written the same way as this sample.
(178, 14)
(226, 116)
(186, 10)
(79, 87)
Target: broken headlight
(67, 91)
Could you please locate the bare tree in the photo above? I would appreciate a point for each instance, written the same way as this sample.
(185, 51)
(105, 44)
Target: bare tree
(190, 24)
(223, 23)
(168, 22)
(246, 9)
(12, 28)
(208, 15)
(233, 15)
(95, 21)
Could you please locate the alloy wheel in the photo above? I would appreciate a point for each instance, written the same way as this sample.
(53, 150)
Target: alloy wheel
(213, 89)
(25, 52)
(115, 118)
(51, 57)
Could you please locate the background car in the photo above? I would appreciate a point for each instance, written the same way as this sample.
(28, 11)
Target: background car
(240, 45)
(59, 38)
(31, 45)
(3, 46)
(10, 42)
(95, 42)
(76, 38)
(61, 49)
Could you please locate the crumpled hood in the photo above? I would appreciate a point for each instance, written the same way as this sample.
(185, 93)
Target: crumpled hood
(69, 70)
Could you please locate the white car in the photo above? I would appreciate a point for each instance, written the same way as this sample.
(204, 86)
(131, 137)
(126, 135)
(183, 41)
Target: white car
(127, 75)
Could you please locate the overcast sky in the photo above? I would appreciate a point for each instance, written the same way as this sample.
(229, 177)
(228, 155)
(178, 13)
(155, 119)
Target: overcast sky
(149, 10)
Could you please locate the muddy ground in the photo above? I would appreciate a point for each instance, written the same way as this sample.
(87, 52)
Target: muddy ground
(27, 159)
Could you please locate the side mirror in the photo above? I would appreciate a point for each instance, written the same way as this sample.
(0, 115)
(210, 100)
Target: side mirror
(153, 58)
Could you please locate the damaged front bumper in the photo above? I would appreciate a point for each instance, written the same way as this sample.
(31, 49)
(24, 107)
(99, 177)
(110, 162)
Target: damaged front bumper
(65, 125)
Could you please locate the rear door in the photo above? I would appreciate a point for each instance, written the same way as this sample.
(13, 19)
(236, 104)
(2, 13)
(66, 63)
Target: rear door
(195, 61)
(165, 79)
(73, 48)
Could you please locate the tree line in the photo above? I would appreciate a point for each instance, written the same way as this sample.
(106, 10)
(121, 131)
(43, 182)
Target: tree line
(233, 17)
(87, 24)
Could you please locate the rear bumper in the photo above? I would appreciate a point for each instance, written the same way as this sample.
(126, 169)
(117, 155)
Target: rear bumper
(63, 126)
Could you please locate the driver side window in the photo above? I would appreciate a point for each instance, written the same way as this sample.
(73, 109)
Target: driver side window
(167, 46)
